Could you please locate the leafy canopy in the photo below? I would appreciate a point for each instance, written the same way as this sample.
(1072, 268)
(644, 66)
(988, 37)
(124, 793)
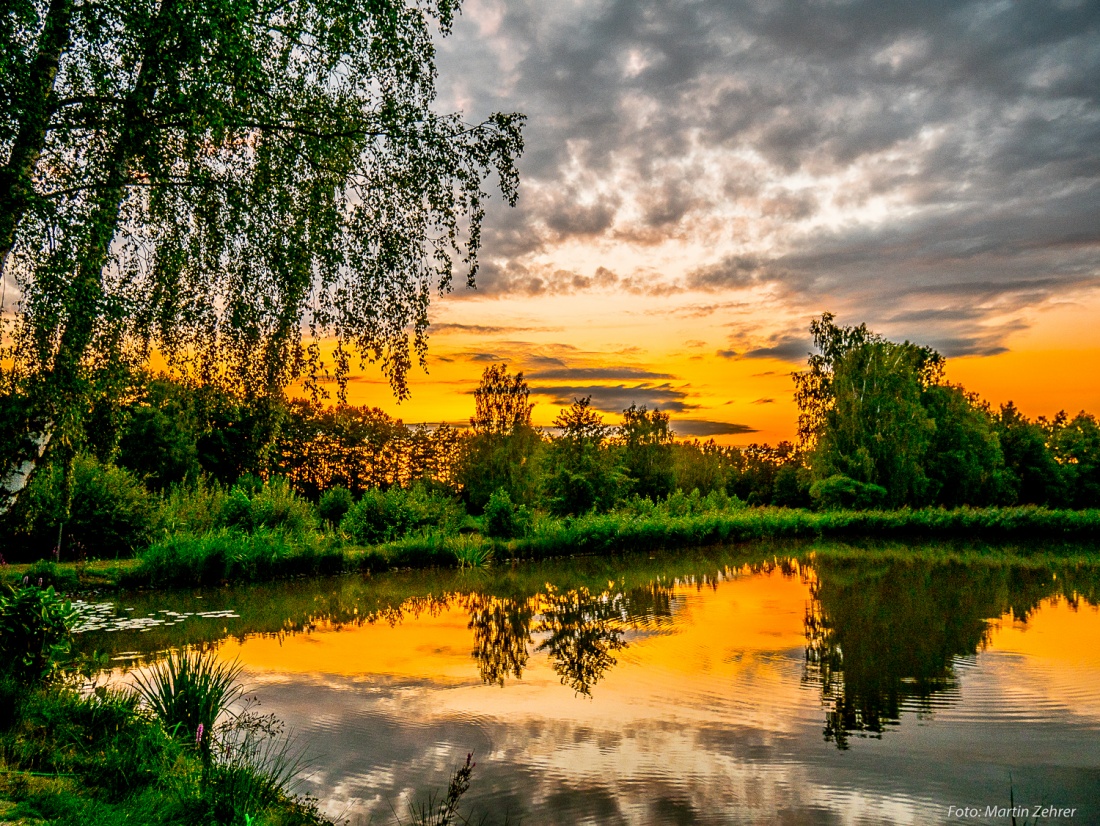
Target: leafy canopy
(207, 178)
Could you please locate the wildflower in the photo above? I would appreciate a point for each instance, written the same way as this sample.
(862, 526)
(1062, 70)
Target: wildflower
(198, 735)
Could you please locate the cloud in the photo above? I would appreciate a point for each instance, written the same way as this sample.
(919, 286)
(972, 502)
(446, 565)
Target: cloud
(599, 373)
(485, 329)
(792, 348)
(872, 156)
(704, 427)
(764, 401)
(614, 398)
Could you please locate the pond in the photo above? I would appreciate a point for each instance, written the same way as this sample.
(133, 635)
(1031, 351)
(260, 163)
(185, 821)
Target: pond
(803, 683)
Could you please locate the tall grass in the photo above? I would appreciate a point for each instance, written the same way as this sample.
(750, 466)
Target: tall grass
(227, 555)
(188, 691)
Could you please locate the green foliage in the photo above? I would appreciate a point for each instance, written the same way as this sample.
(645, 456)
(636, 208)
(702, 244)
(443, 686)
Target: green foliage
(1033, 473)
(704, 465)
(1075, 444)
(194, 509)
(504, 519)
(500, 451)
(158, 446)
(245, 186)
(581, 474)
(382, 516)
(188, 691)
(470, 551)
(254, 504)
(877, 431)
(103, 758)
(964, 463)
(843, 493)
(334, 505)
(111, 513)
(645, 451)
(35, 633)
(226, 555)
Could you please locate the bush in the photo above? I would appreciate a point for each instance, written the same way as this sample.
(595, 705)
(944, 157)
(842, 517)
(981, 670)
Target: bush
(274, 504)
(334, 505)
(503, 519)
(34, 633)
(193, 509)
(841, 492)
(111, 512)
(396, 513)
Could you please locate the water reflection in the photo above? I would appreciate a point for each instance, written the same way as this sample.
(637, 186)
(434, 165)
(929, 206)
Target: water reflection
(884, 633)
(502, 633)
(887, 637)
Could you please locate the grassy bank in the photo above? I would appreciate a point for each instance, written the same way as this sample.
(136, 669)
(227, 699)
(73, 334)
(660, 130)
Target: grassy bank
(174, 750)
(228, 555)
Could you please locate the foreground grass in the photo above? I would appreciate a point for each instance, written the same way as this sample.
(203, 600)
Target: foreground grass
(101, 759)
(262, 555)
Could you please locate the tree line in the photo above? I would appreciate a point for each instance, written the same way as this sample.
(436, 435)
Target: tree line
(879, 427)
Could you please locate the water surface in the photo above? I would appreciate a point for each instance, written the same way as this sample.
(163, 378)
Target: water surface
(776, 684)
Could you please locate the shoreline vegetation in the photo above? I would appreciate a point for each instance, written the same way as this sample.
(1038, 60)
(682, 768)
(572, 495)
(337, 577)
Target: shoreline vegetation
(186, 484)
(227, 556)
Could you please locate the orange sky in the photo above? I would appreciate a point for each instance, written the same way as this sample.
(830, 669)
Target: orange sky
(673, 345)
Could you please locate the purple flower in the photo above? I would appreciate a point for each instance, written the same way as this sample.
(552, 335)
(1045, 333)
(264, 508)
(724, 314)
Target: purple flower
(198, 735)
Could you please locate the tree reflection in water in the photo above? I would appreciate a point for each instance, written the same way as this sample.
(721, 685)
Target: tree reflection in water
(582, 630)
(886, 637)
(502, 631)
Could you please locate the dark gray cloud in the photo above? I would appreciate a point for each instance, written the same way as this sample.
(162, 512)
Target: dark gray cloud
(960, 141)
(705, 427)
(785, 348)
(598, 373)
(614, 398)
(485, 329)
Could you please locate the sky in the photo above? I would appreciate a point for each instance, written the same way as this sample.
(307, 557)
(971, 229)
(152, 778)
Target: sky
(701, 179)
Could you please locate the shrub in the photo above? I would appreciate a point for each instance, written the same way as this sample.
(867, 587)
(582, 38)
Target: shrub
(274, 504)
(503, 519)
(837, 492)
(334, 505)
(111, 512)
(193, 509)
(34, 633)
(396, 513)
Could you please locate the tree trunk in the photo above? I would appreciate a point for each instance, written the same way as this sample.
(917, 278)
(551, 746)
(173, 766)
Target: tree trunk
(35, 105)
(64, 389)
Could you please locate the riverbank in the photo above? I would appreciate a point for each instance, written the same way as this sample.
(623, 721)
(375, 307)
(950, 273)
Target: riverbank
(233, 556)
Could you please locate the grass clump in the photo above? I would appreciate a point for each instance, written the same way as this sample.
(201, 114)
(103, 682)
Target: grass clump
(470, 551)
(233, 555)
(188, 691)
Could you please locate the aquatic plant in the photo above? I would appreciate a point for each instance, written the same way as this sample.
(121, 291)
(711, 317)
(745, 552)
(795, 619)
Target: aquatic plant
(470, 551)
(188, 691)
(446, 811)
(34, 633)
